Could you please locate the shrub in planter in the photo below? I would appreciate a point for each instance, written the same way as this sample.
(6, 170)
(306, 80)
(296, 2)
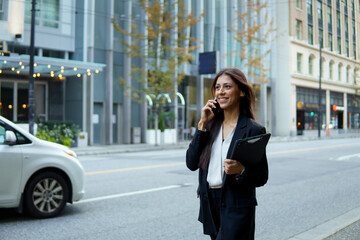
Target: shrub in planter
(60, 132)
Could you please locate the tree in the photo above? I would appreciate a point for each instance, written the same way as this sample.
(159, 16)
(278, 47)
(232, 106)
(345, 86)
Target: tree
(164, 46)
(255, 31)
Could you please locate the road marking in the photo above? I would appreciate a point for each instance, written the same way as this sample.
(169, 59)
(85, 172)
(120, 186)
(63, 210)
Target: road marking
(132, 193)
(183, 163)
(347, 157)
(135, 168)
(310, 149)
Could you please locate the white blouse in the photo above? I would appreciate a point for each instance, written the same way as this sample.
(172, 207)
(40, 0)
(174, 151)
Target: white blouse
(218, 155)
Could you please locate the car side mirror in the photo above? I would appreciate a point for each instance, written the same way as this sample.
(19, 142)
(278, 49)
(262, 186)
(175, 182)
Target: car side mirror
(10, 137)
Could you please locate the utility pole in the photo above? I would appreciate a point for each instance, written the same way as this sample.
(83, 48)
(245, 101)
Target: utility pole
(320, 70)
(31, 71)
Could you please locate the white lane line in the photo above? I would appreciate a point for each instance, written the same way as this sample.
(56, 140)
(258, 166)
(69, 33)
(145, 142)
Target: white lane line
(347, 157)
(132, 193)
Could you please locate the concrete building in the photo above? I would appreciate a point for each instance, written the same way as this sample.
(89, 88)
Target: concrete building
(62, 80)
(335, 25)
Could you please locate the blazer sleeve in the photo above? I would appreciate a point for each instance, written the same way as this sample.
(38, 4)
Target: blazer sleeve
(195, 149)
(255, 176)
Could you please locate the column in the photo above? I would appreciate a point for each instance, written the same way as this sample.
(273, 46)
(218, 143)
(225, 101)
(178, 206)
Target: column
(327, 107)
(143, 65)
(109, 60)
(345, 113)
(127, 77)
(174, 39)
(223, 34)
(200, 37)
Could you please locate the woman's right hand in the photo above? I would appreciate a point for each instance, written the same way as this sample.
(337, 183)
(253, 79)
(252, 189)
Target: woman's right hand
(206, 115)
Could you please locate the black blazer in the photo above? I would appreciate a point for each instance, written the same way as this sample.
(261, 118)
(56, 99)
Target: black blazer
(236, 193)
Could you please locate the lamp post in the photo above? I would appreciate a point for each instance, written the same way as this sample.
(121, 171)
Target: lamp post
(31, 70)
(320, 70)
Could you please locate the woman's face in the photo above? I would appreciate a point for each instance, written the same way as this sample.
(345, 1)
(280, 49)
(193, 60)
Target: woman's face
(227, 93)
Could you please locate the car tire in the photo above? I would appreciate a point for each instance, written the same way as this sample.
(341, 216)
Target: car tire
(46, 195)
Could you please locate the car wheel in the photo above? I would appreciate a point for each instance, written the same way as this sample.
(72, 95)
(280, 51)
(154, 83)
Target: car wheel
(46, 195)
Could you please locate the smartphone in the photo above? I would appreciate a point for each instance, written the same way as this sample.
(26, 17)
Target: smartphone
(217, 108)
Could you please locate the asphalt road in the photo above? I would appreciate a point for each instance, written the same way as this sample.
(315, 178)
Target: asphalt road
(152, 195)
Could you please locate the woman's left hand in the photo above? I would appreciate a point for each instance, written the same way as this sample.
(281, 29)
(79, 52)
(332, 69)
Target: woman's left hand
(233, 167)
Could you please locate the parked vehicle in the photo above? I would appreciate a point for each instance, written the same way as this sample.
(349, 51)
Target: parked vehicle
(35, 175)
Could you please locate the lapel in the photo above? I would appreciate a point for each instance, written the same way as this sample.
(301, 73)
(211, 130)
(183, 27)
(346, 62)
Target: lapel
(240, 132)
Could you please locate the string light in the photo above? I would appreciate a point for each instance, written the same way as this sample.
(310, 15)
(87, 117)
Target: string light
(35, 64)
(22, 67)
(0, 71)
(78, 75)
(49, 66)
(97, 71)
(5, 62)
(12, 69)
(18, 72)
(89, 73)
(20, 63)
(75, 68)
(38, 74)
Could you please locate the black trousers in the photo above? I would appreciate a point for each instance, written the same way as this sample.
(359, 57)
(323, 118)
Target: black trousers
(248, 230)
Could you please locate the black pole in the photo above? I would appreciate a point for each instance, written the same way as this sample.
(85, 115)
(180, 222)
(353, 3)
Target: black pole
(31, 71)
(320, 69)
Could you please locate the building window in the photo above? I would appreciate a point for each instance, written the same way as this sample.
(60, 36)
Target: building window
(348, 74)
(298, 29)
(330, 42)
(329, 19)
(311, 65)
(309, 11)
(310, 35)
(339, 72)
(339, 45)
(3, 4)
(331, 64)
(321, 37)
(347, 48)
(320, 14)
(298, 4)
(49, 14)
(298, 65)
(338, 24)
(354, 51)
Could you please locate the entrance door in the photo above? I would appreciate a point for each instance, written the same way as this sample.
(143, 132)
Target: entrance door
(98, 123)
(340, 120)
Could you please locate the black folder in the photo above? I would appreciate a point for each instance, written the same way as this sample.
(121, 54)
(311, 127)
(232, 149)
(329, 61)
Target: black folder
(250, 151)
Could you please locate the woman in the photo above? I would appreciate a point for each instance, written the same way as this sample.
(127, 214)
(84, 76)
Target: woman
(226, 187)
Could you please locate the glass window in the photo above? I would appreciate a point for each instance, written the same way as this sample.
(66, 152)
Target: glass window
(299, 56)
(47, 16)
(347, 74)
(330, 42)
(347, 48)
(22, 102)
(321, 36)
(2, 134)
(339, 73)
(298, 29)
(331, 70)
(339, 45)
(7, 100)
(311, 65)
(2, 10)
(298, 4)
(310, 34)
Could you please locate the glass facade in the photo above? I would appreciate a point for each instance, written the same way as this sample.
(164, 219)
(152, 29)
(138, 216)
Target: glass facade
(336, 117)
(49, 14)
(307, 108)
(353, 111)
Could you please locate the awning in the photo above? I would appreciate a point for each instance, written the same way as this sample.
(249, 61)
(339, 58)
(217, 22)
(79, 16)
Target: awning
(48, 66)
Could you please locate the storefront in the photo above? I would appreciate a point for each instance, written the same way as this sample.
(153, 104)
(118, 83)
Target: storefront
(336, 110)
(307, 109)
(50, 80)
(353, 111)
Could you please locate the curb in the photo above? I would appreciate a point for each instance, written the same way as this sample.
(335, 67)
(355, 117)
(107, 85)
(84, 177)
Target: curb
(330, 227)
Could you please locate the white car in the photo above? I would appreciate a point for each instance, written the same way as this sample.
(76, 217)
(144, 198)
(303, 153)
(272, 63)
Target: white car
(35, 175)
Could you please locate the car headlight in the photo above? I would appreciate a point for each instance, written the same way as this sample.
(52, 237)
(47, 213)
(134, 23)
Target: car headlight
(70, 153)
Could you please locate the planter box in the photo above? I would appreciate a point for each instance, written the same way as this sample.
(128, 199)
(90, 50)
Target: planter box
(166, 137)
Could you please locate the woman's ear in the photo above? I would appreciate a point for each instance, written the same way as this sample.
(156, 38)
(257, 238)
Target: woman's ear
(242, 94)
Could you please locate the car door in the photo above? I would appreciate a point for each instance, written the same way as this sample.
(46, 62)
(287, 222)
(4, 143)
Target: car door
(11, 159)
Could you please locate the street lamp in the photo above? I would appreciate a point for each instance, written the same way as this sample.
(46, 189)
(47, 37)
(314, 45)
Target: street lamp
(320, 69)
(31, 70)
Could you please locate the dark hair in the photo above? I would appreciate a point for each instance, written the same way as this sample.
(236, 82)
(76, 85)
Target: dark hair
(247, 104)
